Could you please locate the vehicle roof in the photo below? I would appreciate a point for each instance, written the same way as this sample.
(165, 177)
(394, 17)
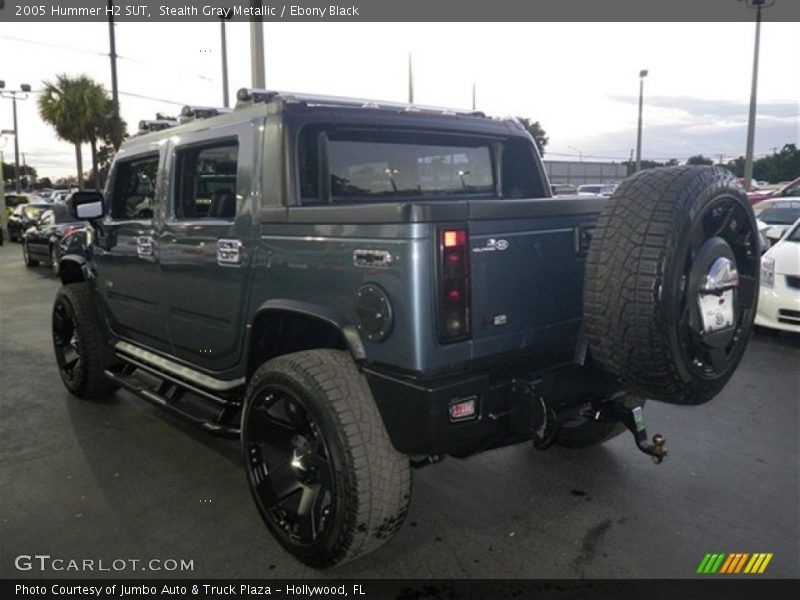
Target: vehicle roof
(263, 103)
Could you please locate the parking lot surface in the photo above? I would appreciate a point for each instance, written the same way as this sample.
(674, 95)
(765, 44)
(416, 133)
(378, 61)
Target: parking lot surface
(121, 479)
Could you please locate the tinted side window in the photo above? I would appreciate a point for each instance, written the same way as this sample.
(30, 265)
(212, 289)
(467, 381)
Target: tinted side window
(206, 181)
(134, 191)
(520, 176)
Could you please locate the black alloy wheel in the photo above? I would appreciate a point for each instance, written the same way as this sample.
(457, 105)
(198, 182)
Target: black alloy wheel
(289, 466)
(66, 342)
(719, 270)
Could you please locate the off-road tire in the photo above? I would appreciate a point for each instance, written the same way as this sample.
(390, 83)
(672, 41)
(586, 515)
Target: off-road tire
(95, 353)
(26, 256)
(587, 433)
(636, 276)
(372, 479)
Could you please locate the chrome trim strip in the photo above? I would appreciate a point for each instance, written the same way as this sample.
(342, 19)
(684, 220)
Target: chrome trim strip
(191, 375)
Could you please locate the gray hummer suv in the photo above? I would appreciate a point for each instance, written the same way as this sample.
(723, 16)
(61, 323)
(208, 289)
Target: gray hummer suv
(359, 288)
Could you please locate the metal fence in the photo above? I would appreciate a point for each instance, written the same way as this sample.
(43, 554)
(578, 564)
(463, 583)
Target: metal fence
(578, 173)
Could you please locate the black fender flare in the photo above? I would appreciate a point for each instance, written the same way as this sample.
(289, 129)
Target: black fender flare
(334, 318)
(67, 265)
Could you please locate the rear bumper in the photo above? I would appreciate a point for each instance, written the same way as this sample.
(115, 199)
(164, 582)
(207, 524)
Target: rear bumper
(416, 412)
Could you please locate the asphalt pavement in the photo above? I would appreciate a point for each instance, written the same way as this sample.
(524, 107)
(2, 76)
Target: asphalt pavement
(121, 479)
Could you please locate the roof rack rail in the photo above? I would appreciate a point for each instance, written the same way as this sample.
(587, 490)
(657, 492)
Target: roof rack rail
(250, 96)
(255, 96)
(202, 112)
(150, 125)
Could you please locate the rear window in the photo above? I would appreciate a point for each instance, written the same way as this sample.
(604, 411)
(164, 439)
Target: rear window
(361, 166)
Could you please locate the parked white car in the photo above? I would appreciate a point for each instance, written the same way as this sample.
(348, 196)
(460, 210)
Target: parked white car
(597, 189)
(779, 296)
(775, 217)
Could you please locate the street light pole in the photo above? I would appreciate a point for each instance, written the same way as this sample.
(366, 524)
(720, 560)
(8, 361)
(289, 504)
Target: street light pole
(751, 121)
(578, 150)
(225, 101)
(112, 53)
(257, 68)
(22, 92)
(410, 79)
(642, 75)
(17, 185)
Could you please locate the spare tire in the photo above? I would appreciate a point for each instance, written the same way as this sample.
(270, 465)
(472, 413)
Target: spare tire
(671, 283)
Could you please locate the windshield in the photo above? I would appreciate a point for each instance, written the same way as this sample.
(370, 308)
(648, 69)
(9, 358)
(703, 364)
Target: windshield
(780, 216)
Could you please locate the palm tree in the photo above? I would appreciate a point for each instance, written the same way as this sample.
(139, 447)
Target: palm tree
(74, 107)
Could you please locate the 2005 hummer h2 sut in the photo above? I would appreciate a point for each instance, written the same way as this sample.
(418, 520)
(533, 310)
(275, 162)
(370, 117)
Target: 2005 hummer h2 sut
(358, 288)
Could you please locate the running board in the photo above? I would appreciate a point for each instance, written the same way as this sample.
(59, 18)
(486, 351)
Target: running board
(169, 396)
(175, 369)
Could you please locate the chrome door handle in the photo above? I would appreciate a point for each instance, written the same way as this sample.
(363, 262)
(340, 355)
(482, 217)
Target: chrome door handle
(229, 253)
(144, 246)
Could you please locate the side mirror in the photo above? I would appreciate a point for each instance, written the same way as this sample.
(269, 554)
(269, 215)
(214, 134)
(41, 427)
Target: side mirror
(774, 234)
(86, 205)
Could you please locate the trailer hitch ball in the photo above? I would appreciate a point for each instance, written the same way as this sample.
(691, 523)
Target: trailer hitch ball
(633, 419)
(658, 450)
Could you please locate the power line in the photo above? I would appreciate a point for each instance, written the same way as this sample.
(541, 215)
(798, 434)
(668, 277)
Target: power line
(96, 53)
(144, 97)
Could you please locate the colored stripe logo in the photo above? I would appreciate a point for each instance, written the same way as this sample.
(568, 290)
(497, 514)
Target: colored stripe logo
(737, 562)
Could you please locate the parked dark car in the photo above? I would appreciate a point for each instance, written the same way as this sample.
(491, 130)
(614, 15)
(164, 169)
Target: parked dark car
(14, 200)
(23, 217)
(41, 242)
(73, 243)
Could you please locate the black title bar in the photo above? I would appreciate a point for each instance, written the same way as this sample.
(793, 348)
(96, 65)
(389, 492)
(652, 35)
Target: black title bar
(398, 10)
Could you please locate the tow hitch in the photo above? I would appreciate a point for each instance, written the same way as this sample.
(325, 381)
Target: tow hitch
(633, 419)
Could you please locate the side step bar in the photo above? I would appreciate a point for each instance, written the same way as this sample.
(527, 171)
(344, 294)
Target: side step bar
(210, 425)
(196, 398)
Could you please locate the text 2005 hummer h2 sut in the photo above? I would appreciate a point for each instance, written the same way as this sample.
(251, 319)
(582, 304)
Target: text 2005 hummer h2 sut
(359, 288)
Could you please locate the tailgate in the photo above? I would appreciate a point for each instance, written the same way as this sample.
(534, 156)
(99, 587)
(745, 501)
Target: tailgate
(527, 262)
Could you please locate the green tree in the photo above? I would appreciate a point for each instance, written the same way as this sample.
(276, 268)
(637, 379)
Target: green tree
(74, 106)
(774, 168)
(536, 131)
(43, 183)
(699, 159)
(649, 164)
(111, 131)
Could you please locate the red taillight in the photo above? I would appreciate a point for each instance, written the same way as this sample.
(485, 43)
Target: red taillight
(452, 238)
(453, 285)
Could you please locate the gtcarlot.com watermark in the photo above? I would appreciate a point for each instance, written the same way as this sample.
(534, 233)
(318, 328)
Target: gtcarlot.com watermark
(47, 563)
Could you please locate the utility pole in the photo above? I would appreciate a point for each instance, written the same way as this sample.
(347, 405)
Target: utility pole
(257, 68)
(410, 79)
(225, 101)
(23, 92)
(642, 75)
(473, 97)
(112, 43)
(3, 212)
(17, 186)
(751, 121)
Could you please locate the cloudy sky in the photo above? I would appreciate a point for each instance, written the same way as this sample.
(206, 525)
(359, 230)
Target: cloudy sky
(579, 79)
